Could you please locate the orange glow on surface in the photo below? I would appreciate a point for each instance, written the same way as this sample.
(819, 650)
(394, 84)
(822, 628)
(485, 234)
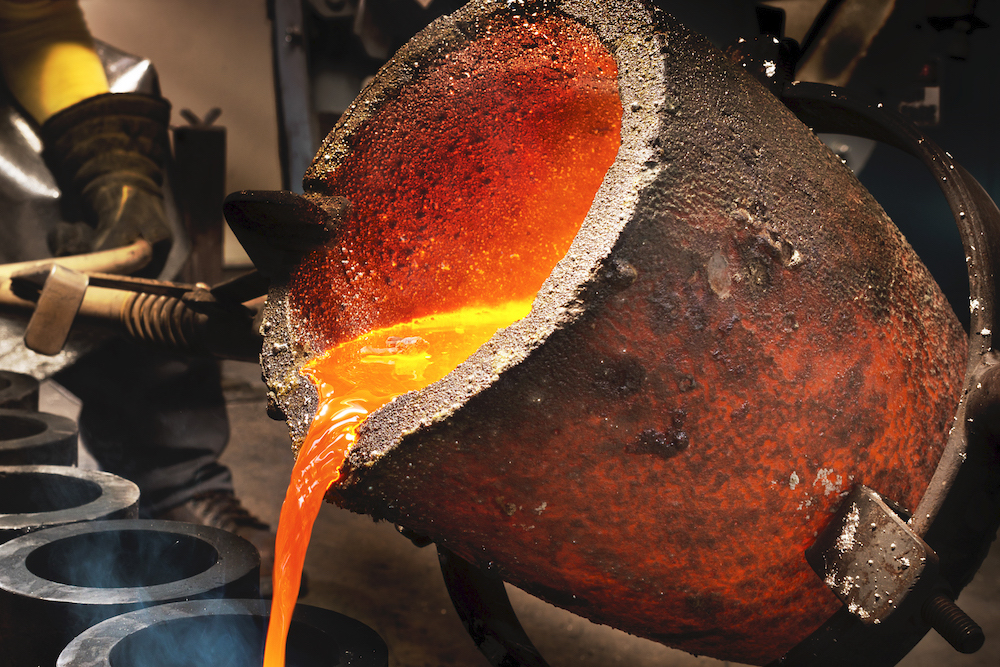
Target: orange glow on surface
(354, 379)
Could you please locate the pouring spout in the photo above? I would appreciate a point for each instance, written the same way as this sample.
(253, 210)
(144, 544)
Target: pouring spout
(277, 227)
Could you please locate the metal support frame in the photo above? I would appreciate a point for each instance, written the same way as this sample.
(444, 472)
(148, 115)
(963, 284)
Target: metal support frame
(959, 514)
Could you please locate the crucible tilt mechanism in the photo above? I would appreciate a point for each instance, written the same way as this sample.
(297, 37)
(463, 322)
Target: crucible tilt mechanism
(740, 418)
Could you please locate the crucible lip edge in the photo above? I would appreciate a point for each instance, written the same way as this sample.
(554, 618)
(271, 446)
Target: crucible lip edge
(631, 33)
(235, 557)
(119, 493)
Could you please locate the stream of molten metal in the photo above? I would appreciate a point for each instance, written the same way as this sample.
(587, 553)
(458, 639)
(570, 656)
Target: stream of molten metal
(354, 379)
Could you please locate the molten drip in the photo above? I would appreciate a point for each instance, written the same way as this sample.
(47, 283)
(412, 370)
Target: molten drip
(354, 379)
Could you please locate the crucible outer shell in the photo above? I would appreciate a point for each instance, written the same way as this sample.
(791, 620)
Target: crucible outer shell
(41, 438)
(736, 337)
(18, 391)
(55, 583)
(37, 497)
(222, 633)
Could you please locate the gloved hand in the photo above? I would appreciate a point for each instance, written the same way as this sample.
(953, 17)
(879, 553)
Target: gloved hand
(107, 154)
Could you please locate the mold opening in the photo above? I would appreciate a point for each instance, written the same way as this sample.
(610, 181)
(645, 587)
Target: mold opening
(26, 492)
(219, 640)
(16, 427)
(5, 383)
(121, 558)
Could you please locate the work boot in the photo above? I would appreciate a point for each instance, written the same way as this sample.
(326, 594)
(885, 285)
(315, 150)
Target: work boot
(222, 509)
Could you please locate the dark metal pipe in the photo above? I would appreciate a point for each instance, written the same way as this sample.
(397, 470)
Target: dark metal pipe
(223, 633)
(37, 497)
(38, 438)
(57, 582)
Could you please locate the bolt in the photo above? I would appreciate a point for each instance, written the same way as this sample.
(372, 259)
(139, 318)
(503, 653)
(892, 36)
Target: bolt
(953, 624)
(294, 35)
(415, 537)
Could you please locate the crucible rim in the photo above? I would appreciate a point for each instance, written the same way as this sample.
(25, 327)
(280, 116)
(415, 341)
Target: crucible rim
(22, 391)
(558, 303)
(58, 433)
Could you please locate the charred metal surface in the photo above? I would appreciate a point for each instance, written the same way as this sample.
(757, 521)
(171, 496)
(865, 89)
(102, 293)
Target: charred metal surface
(715, 362)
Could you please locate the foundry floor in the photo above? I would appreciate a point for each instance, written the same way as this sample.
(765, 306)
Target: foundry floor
(370, 572)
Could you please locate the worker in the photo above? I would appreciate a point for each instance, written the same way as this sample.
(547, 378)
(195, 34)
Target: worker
(156, 418)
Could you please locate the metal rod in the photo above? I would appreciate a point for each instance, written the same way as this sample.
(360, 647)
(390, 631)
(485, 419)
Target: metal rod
(126, 259)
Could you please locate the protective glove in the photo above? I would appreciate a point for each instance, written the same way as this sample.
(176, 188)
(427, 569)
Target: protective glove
(107, 154)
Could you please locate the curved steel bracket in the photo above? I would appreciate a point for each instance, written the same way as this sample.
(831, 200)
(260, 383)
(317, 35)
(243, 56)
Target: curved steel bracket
(482, 603)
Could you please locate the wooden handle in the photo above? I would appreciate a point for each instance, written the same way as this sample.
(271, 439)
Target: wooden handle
(124, 260)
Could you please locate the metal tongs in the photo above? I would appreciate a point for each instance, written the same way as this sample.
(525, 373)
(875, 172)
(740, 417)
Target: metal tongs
(275, 227)
(219, 320)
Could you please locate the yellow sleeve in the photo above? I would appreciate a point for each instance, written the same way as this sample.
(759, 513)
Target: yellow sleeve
(47, 55)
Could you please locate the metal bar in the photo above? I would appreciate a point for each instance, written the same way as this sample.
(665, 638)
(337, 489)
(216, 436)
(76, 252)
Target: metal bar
(297, 143)
(199, 183)
(482, 603)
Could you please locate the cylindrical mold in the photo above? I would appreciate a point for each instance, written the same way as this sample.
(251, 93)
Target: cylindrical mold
(36, 497)
(222, 633)
(36, 438)
(57, 582)
(18, 391)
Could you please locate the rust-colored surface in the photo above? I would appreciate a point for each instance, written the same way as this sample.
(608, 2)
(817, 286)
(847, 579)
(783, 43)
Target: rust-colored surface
(737, 335)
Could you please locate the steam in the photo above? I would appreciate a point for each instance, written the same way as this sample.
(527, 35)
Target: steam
(216, 640)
